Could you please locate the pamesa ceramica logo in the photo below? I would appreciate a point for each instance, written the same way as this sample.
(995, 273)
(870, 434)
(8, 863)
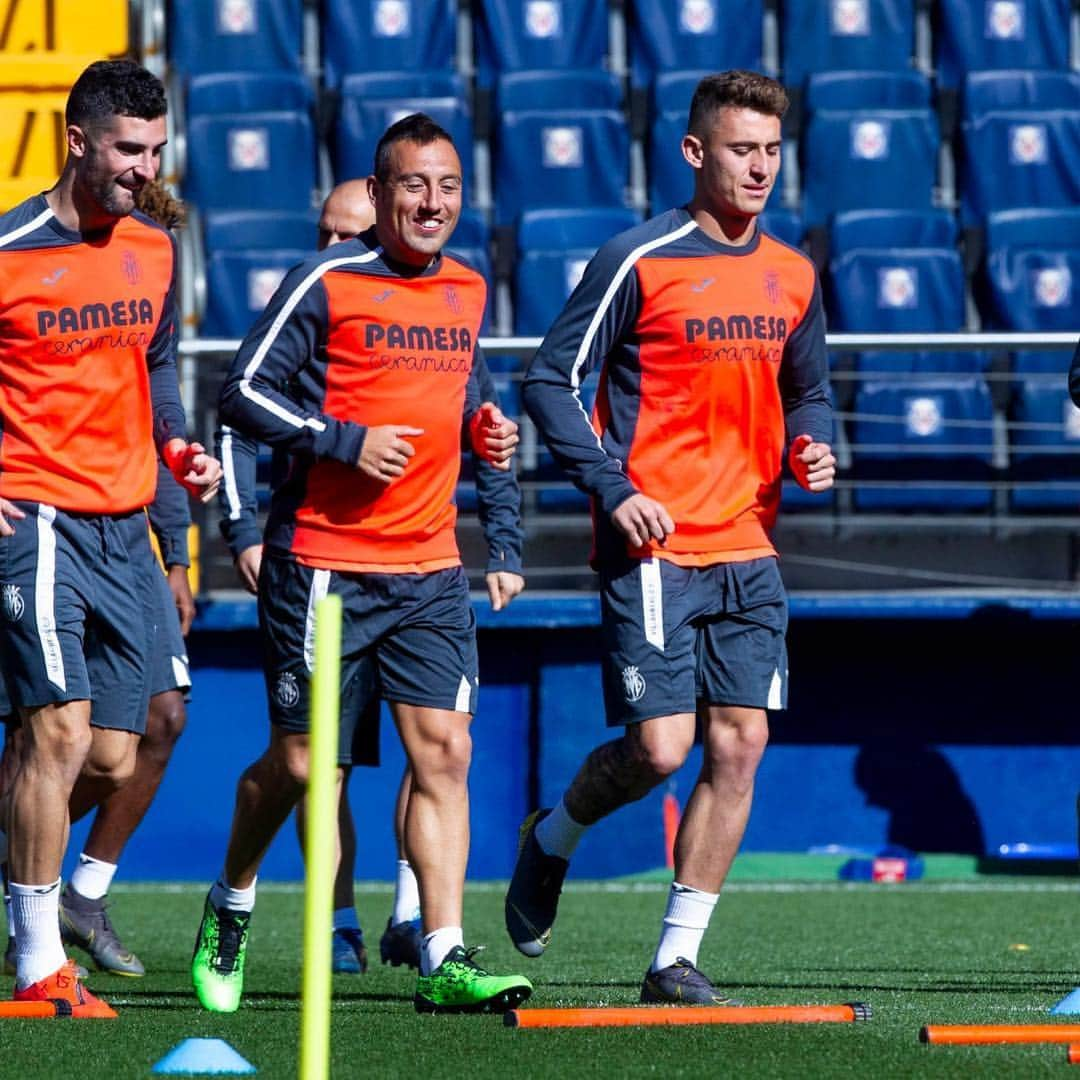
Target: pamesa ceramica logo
(13, 603)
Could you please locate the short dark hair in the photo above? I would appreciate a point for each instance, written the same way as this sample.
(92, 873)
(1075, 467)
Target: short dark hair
(736, 90)
(109, 88)
(417, 128)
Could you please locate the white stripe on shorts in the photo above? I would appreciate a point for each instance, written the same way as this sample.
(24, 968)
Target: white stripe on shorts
(181, 672)
(652, 602)
(320, 586)
(464, 695)
(776, 697)
(45, 595)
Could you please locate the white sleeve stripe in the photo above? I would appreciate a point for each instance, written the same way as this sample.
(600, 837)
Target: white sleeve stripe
(613, 288)
(228, 467)
(24, 230)
(275, 328)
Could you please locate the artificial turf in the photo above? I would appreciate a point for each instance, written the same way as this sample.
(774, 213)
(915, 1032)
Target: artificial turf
(961, 949)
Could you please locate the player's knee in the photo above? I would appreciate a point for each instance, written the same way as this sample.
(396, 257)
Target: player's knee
(165, 723)
(445, 757)
(736, 744)
(663, 753)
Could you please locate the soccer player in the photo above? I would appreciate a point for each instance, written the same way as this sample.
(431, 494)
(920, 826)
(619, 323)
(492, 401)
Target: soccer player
(710, 339)
(87, 389)
(376, 345)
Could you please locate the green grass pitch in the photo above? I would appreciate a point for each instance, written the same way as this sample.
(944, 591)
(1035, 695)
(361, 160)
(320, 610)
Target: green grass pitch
(940, 951)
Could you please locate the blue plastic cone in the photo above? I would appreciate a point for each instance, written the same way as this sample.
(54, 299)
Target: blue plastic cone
(199, 1057)
(1069, 1005)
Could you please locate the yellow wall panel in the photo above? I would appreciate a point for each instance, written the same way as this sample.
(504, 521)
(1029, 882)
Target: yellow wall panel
(94, 28)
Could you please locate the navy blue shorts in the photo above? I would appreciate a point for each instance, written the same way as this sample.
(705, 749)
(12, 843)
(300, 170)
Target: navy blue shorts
(77, 612)
(678, 636)
(168, 655)
(409, 638)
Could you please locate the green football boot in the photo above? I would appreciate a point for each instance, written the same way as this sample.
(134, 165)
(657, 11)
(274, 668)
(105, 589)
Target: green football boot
(217, 966)
(459, 985)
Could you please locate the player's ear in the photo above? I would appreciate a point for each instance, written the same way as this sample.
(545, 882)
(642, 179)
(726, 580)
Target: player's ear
(693, 150)
(76, 140)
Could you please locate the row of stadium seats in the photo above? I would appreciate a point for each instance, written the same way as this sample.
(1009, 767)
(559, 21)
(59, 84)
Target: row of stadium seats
(662, 35)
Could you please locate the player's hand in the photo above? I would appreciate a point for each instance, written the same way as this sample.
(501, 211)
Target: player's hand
(386, 452)
(9, 512)
(812, 463)
(493, 436)
(502, 587)
(180, 587)
(248, 564)
(193, 468)
(641, 519)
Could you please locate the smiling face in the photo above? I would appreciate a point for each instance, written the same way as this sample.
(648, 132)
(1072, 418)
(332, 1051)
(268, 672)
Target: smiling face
(115, 161)
(736, 159)
(418, 204)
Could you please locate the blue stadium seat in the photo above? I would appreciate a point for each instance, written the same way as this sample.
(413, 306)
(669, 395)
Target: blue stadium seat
(553, 247)
(823, 35)
(990, 91)
(235, 35)
(238, 286)
(845, 90)
(784, 224)
(978, 35)
(1019, 158)
(528, 35)
(248, 91)
(364, 36)
(901, 291)
(406, 84)
(361, 121)
(922, 445)
(259, 160)
(850, 229)
(671, 182)
(573, 89)
(1045, 448)
(1033, 270)
(672, 92)
(560, 158)
(701, 34)
(868, 159)
(260, 230)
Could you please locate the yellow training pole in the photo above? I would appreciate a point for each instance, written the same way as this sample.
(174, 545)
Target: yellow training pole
(319, 842)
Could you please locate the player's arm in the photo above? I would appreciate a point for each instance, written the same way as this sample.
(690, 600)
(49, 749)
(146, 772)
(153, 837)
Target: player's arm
(238, 504)
(1074, 377)
(807, 401)
(600, 311)
(195, 470)
(170, 518)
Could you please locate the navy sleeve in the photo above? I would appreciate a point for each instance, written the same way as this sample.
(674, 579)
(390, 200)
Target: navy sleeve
(283, 345)
(236, 497)
(497, 492)
(170, 517)
(601, 311)
(169, 419)
(804, 377)
(1074, 377)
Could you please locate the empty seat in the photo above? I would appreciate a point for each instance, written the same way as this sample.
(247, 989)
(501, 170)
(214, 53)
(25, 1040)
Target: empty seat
(238, 286)
(819, 35)
(868, 159)
(671, 180)
(386, 35)
(524, 35)
(673, 91)
(246, 91)
(987, 91)
(1044, 435)
(254, 230)
(1033, 270)
(361, 121)
(553, 248)
(702, 34)
(235, 35)
(247, 161)
(1019, 158)
(933, 227)
(922, 445)
(574, 89)
(560, 158)
(976, 35)
(847, 90)
(785, 224)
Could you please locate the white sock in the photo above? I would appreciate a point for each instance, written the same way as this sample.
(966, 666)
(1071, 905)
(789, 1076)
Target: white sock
(685, 923)
(224, 896)
(406, 894)
(345, 918)
(92, 877)
(36, 917)
(558, 833)
(436, 945)
(10, 917)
